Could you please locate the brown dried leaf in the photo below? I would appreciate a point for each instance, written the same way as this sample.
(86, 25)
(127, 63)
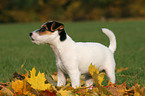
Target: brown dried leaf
(54, 76)
(117, 90)
(139, 91)
(121, 69)
(5, 91)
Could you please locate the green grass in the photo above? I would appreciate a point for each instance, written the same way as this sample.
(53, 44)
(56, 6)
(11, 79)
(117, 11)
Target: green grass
(16, 48)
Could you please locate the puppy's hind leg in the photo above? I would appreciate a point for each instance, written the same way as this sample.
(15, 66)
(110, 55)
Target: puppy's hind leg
(89, 80)
(110, 72)
(111, 75)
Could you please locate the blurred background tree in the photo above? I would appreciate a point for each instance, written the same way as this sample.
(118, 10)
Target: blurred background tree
(69, 10)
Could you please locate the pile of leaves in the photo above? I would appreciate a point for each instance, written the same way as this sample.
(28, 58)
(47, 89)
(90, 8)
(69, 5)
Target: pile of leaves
(30, 84)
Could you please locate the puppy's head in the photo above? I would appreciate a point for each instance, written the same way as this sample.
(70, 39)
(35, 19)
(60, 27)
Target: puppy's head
(48, 32)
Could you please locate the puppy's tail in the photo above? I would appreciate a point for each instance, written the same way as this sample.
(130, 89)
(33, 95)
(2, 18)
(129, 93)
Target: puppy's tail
(112, 38)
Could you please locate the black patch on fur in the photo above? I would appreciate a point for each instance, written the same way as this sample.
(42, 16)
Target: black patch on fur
(49, 24)
(62, 35)
(43, 29)
(53, 26)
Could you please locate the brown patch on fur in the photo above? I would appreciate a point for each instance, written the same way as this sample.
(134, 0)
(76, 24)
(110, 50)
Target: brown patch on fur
(45, 33)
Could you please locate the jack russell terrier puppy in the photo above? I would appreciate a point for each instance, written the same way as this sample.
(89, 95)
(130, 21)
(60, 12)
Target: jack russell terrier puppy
(74, 58)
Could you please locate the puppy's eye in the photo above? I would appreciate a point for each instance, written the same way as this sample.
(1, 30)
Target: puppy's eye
(43, 29)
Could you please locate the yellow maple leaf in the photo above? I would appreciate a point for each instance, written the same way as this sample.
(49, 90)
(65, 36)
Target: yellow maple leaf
(38, 82)
(92, 69)
(17, 86)
(98, 76)
(98, 79)
(27, 89)
(66, 93)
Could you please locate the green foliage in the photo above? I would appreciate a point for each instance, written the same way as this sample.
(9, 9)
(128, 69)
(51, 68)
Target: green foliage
(69, 10)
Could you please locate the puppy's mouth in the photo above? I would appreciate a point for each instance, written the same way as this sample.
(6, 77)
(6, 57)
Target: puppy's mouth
(31, 38)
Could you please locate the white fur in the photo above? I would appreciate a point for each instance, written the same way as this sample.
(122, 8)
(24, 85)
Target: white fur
(74, 58)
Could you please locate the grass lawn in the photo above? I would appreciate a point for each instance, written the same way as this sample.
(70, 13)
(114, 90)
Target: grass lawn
(16, 48)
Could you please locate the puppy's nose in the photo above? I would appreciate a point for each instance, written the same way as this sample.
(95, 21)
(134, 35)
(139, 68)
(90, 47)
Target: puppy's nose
(30, 34)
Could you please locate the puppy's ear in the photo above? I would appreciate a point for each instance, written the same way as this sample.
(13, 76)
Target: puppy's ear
(60, 27)
(57, 26)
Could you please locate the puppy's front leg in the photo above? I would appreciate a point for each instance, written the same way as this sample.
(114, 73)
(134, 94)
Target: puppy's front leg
(61, 78)
(75, 78)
